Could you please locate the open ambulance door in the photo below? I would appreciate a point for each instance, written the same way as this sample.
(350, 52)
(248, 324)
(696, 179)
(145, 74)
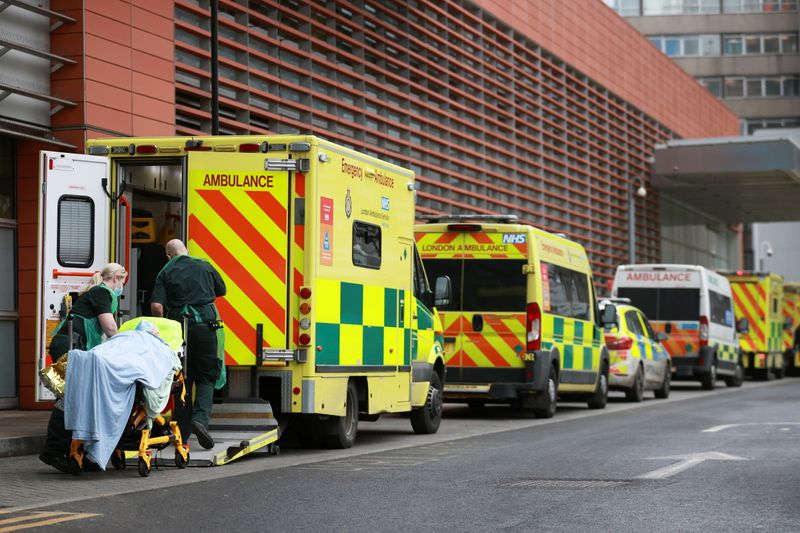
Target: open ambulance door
(74, 240)
(237, 218)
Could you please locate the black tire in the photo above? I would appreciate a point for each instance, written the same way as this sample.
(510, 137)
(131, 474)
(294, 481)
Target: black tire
(737, 378)
(118, 460)
(709, 379)
(780, 370)
(426, 419)
(180, 462)
(342, 430)
(599, 398)
(636, 393)
(144, 469)
(662, 393)
(547, 402)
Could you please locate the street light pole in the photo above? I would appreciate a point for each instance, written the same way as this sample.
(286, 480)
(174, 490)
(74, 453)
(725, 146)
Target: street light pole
(635, 188)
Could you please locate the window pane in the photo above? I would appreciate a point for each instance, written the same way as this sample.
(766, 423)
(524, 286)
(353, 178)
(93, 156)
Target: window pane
(711, 45)
(772, 44)
(691, 46)
(558, 301)
(720, 309)
(632, 322)
(664, 304)
(672, 46)
(366, 245)
(75, 231)
(733, 45)
(8, 252)
(752, 44)
(734, 88)
(6, 178)
(714, 86)
(709, 6)
(789, 44)
(754, 88)
(790, 87)
(579, 295)
(8, 356)
(497, 285)
(772, 87)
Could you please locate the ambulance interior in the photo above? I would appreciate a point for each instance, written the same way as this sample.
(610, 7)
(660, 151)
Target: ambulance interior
(154, 193)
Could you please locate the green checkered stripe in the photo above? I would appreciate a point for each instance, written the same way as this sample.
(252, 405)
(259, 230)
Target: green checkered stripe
(360, 325)
(579, 342)
(727, 352)
(775, 336)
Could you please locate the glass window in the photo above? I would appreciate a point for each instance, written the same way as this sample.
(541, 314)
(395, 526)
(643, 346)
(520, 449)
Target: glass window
(772, 87)
(721, 312)
(789, 43)
(648, 329)
(752, 44)
(754, 89)
(7, 179)
(7, 270)
(732, 45)
(772, 44)
(664, 304)
(8, 355)
(711, 46)
(672, 46)
(75, 246)
(568, 292)
(734, 87)
(632, 322)
(790, 87)
(366, 245)
(714, 85)
(447, 267)
(691, 46)
(497, 285)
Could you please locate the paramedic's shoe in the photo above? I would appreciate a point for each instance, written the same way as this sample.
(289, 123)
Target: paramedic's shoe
(202, 435)
(56, 461)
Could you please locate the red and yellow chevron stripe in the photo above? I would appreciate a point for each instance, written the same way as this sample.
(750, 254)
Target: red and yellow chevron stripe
(500, 344)
(477, 245)
(243, 233)
(791, 311)
(682, 341)
(750, 302)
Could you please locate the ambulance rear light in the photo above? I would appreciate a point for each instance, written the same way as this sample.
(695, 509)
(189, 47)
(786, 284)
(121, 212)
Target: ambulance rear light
(304, 339)
(305, 293)
(463, 227)
(305, 308)
(250, 148)
(144, 149)
(99, 150)
(703, 331)
(618, 343)
(533, 322)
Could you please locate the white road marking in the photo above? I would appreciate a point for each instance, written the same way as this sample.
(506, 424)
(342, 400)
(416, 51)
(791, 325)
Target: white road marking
(723, 427)
(687, 461)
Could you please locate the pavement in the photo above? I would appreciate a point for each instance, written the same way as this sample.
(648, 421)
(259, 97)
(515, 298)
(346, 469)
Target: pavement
(22, 432)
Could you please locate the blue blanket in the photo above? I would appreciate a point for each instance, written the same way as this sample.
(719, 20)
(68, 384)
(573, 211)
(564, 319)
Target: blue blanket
(101, 385)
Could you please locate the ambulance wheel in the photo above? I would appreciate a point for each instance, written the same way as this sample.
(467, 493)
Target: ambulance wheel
(548, 398)
(662, 393)
(737, 378)
(118, 460)
(636, 393)
(426, 419)
(144, 469)
(180, 462)
(709, 380)
(599, 398)
(342, 430)
(780, 370)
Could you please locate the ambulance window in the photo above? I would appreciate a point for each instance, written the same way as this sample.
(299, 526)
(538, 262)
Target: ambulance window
(579, 295)
(494, 285)
(75, 236)
(648, 329)
(422, 289)
(559, 300)
(366, 245)
(720, 309)
(569, 292)
(632, 321)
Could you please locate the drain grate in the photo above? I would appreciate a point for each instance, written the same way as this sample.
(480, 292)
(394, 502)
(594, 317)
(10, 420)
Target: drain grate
(566, 483)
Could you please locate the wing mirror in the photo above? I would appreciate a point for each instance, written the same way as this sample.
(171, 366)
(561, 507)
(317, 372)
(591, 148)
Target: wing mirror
(742, 325)
(608, 318)
(444, 291)
(661, 336)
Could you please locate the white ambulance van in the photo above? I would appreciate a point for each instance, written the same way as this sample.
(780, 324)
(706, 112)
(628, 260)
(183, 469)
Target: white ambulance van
(693, 306)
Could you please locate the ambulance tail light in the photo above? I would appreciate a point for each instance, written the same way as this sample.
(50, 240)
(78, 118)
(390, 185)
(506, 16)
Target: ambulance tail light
(463, 227)
(147, 149)
(618, 343)
(703, 331)
(533, 321)
(250, 147)
(304, 339)
(305, 293)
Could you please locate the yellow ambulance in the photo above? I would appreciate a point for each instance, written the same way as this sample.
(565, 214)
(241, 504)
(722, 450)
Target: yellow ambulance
(522, 324)
(758, 297)
(791, 325)
(328, 314)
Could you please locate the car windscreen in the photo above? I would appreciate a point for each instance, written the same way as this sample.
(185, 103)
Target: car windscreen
(496, 285)
(664, 304)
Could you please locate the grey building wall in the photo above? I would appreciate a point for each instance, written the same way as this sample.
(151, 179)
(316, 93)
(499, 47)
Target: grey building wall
(784, 240)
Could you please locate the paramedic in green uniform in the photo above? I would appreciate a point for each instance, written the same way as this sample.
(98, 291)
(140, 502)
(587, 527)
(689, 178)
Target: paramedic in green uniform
(187, 286)
(92, 316)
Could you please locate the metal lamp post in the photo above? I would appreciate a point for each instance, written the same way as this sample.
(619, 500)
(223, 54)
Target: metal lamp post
(635, 188)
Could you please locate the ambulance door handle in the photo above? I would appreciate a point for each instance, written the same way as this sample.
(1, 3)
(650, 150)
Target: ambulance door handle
(477, 322)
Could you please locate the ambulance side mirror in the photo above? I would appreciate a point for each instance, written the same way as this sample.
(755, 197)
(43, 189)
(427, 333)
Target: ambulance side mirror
(742, 325)
(444, 291)
(608, 318)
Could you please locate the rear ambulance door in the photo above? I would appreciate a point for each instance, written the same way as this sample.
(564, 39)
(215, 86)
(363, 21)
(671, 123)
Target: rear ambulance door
(74, 240)
(237, 218)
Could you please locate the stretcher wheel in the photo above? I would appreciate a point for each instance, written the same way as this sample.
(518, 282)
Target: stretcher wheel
(144, 469)
(74, 467)
(180, 462)
(118, 460)
(274, 449)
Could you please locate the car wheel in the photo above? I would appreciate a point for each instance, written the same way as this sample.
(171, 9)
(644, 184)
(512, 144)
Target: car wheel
(709, 380)
(662, 393)
(599, 398)
(548, 400)
(636, 393)
(737, 378)
(426, 419)
(343, 429)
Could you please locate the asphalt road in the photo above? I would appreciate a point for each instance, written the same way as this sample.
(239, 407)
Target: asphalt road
(626, 468)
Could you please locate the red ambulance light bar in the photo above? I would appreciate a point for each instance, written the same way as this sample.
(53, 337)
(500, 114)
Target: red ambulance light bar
(147, 149)
(463, 227)
(250, 148)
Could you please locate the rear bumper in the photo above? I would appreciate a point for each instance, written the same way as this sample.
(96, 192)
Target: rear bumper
(692, 366)
(464, 383)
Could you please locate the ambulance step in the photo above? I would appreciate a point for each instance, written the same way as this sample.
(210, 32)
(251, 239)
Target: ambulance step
(242, 415)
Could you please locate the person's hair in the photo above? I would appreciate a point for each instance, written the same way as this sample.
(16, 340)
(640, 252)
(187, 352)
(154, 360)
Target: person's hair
(110, 271)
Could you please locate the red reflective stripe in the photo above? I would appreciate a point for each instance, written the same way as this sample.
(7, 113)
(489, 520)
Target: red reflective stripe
(271, 207)
(487, 349)
(446, 238)
(481, 238)
(236, 323)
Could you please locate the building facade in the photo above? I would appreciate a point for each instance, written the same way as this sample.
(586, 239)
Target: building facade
(549, 110)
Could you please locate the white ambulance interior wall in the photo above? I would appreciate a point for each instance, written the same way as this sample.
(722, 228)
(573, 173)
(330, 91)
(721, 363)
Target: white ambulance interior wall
(783, 238)
(690, 237)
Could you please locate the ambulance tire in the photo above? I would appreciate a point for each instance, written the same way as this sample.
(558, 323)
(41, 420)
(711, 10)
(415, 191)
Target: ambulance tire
(780, 370)
(425, 420)
(636, 393)
(737, 378)
(341, 430)
(599, 398)
(709, 379)
(547, 401)
(662, 393)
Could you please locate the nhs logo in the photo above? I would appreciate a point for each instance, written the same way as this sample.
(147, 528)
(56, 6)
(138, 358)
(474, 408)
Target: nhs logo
(514, 238)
